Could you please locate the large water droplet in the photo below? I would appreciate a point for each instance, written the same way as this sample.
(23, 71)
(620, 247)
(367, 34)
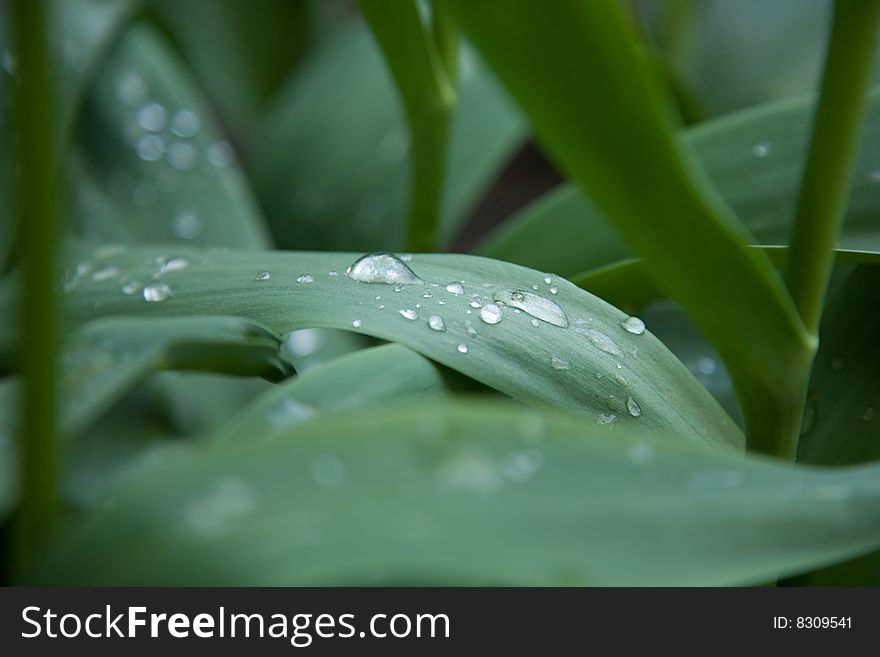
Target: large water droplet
(534, 305)
(455, 287)
(304, 342)
(633, 325)
(490, 313)
(384, 268)
(152, 117)
(157, 292)
(436, 323)
(408, 313)
(633, 407)
(601, 341)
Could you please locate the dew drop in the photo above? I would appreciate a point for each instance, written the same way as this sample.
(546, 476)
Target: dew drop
(384, 268)
(130, 89)
(304, 342)
(333, 273)
(263, 276)
(181, 156)
(436, 323)
(633, 325)
(408, 313)
(548, 280)
(534, 305)
(607, 418)
(157, 292)
(474, 303)
(707, 365)
(152, 117)
(172, 264)
(305, 279)
(554, 290)
(462, 348)
(620, 379)
(131, 288)
(106, 274)
(357, 323)
(220, 154)
(150, 148)
(601, 341)
(633, 407)
(455, 287)
(559, 363)
(187, 225)
(490, 313)
(184, 123)
(427, 295)
(535, 323)
(469, 328)
(761, 150)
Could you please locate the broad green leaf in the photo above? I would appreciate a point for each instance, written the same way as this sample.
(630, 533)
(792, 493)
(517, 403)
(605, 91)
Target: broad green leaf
(152, 154)
(467, 494)
(754, 157)
(390, 374)
(331, 161)
(592, 366)
(623, 151)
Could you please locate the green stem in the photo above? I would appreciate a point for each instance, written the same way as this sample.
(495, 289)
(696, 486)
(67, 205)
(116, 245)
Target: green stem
(37, 200)
(446, 36)
(831, 160)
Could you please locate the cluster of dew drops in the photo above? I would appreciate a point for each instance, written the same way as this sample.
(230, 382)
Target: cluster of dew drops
(488, 307)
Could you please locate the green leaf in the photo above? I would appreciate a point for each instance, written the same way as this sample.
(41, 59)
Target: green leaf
(592, 367)
(754, 157)
(390, 374)
(331, 159)
(152, 155)
(613, 134)
(467, 494)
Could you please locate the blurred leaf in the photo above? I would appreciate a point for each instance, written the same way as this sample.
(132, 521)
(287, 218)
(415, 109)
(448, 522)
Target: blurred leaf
(623, 151)
(153, 166)
(332, 164)
(592, 366)
(755, 158)
(390, 374)
(467, 494)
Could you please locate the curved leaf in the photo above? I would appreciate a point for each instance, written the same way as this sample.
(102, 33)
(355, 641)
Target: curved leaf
(593, 366)
(459, 494)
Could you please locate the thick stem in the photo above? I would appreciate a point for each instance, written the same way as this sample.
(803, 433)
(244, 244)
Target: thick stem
(828, 174)
(37, 200)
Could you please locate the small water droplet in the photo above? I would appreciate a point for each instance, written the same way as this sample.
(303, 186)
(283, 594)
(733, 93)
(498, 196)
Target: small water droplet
(327, 471)
(490, 313)
(601, 341)
(548, 280)
(384, 268)
(535, 323)
(559, 363)
(455, 287)
(535, 288)
(427, 295)
(187, 225)
(263, 276)
(441, 302)
(707, 365)
(474, 303)
(220, 154)
(868, 415)
(150, 148)
(418, 305)
(406, 257)
(181, 156)
(156, 292)
(436, 323)
(838, 363)
(554, 290)
(184, 124)
(305, 279)
(633, 407)
(469, 328)
(172, 264)
(761, 150)
(152, 117)
(462, 348)
(408, 313)
(620, 379)
(106, 274)
(130, 89)
(333, 273)
(633, 325)
(607, 418)
(131, 288)
(357, 323)
(534, 305)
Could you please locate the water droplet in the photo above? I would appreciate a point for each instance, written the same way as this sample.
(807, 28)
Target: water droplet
(382, 268)
(220, 154)
(289, 412)
(490, 313)
(130, 89)
(333, 273)
(535, 288)
(474, 303)
(131, 288)
(868, 415)
(436, 323)
(462, 348)
(548, 280)
(455, 287)
(327, 471)
(559, 363)
(633, 407)
(157, 292)
(633, 325)
(187, 225)
(263, 276)
(441, 302)
(304, 342)
(305, 279)
(171, 264)
(105, 274)
(535, 323)
(521, 466)
(357, 323)
(761, 150)
(152, 117)
(181, 156)
(408, 313)
(469, 328)
(838, 363)
(707, 365)
(534, 305)
(554, 290)
(607, 418)
(620, 379)
(184, 124)
(406, 257)
(427, 295)
(601, 341)
(150, 148)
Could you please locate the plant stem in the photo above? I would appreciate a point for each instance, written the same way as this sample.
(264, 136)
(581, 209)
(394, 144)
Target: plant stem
(831, 160)
(37, 200)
